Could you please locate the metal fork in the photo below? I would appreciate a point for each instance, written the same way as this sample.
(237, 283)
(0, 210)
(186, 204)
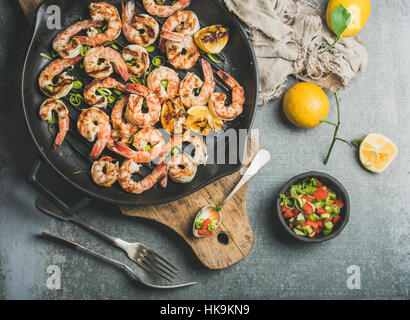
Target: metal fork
(132, 273)
(137, 252)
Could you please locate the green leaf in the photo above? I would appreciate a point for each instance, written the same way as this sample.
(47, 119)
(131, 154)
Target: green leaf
(340, 19)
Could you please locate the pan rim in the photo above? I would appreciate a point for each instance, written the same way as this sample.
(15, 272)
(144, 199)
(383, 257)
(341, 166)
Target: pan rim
(139, 202)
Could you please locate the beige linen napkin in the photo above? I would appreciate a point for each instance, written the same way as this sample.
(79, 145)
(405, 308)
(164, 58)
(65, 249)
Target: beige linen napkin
(287, 35)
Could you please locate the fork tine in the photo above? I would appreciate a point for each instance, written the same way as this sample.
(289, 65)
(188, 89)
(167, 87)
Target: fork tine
(149, 267)
(153, 258)
(161, 258)
(154, 264)
(159, 265)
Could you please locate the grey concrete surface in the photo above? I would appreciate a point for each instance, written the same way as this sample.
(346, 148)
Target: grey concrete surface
(376, 238)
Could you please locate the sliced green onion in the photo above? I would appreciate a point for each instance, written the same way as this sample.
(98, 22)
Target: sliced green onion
(115, 47)
(117, 92)
(150, 48)
(164, 83)
(49, 88)
(104, 92)
(84, 50)
(135, 80)
(210, 56)
(105, 27)
(45, 56)
(76, 99)
(70, 68)
(158, 61)
(54, 118)
(175, 151)
(111, 99)
(77, 84)
(147, 147)
(81, 65)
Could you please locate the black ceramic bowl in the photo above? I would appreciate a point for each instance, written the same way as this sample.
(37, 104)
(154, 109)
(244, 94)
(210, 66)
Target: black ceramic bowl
(333, 184)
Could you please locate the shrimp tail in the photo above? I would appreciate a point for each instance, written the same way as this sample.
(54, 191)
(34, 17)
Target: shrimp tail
(228, 80)
(98, 148)
(63, 126)
(173, 36)
(136, 88)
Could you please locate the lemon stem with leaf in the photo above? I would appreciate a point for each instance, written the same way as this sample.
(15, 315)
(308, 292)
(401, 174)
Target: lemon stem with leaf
(340, 20)
(354, 144)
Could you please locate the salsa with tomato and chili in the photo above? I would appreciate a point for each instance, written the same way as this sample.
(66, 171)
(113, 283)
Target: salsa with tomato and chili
(310, 208)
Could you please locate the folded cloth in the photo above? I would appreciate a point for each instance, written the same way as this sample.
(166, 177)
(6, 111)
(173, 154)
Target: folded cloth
(287, 35)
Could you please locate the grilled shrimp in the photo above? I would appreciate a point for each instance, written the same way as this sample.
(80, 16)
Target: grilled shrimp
(125, 129)
(46, 113)
(103, 11)
(192, 82)
(162, 10)
(137, 59)
(217, 100)
(100, 101)
(94, 123)
(181, 168)
(105, 171)
(185, 22)
(181, 50)
(53, 81)
(134, 112)
(99, 62)
(129, 167)
(164, 82)
(66, 45)
(200, 154)
(122, 148)
(140, 29)
(151, 140)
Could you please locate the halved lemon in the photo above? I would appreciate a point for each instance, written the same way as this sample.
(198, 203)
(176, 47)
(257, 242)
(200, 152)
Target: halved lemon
(173, 115)
(377, 152)
(212, 39)
(200, 119)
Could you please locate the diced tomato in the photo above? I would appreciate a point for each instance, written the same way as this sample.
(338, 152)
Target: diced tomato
(313, 224)
(308, 198)
(288, 214)
(312, 235)
(336, 219)
(296, 210)
(319, 184)
(307, 207)
(205, 233)
(339, 203)
(321, 193)
(320, 210)
(320, 224)
(284, 208)
(205, 224)
(316, 230)
(304, 224)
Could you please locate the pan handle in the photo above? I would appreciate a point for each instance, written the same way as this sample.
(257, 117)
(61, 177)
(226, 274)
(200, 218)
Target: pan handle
(47, 181)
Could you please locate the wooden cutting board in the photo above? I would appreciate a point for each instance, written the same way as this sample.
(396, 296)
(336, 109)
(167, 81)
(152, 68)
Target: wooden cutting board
(233, 239)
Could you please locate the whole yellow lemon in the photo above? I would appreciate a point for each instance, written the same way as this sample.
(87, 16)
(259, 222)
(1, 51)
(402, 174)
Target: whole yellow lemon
(359, 9)
(305, 104)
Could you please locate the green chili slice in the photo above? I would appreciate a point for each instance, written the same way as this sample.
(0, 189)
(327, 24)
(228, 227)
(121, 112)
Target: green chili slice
(104, 92)
(77, 84)
(210, 56)
(150, 48)
(158, 61)
(115, 47)
(45, 56)
(111, 99)
(76, 99)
